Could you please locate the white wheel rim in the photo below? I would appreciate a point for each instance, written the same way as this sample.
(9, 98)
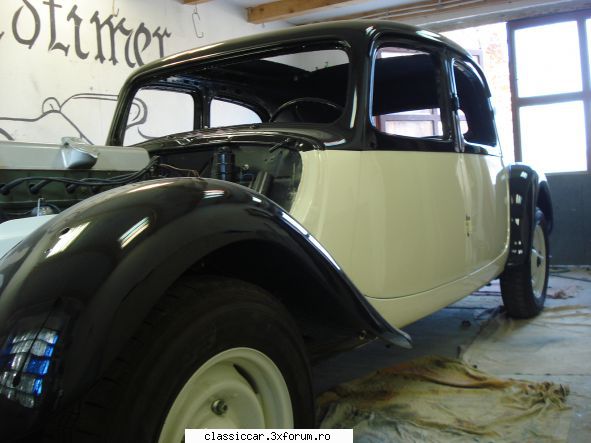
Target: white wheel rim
(237, 388)
(538, 262)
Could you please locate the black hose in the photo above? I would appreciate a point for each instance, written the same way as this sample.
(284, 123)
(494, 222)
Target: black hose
(86, 182)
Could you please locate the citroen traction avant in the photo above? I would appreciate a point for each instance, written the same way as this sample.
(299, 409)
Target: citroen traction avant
(285, 196)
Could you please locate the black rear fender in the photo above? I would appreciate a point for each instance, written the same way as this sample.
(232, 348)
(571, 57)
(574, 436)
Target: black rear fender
(528, 190)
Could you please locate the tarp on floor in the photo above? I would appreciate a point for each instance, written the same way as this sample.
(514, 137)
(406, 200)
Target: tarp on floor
(434, 399)
(555, 342)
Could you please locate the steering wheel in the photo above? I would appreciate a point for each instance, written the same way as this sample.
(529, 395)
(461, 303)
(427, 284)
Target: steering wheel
(296, 101)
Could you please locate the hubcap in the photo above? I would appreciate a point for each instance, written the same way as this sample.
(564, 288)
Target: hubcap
(237, 388)
(538, 262)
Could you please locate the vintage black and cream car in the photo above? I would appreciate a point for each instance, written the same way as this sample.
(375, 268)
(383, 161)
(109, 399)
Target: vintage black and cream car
(283, 197)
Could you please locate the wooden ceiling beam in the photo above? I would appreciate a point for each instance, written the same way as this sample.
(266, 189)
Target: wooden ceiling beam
(441, 15)
(284, 9)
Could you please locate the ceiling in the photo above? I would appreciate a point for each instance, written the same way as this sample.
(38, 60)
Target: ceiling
(435, 14)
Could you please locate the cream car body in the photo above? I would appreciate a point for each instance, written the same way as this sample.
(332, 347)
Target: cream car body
(410, 229)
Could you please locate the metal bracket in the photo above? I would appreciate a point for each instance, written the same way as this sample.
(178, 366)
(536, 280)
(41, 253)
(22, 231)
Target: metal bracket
(77, 154)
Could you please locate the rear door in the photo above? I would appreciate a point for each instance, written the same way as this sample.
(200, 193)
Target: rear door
(411, 220)
(486, 177)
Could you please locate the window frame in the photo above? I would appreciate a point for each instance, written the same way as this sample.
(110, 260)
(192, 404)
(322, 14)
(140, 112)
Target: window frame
(306, 44)
(447, 143)
(432, 117)
(584, 95)
(471, 147)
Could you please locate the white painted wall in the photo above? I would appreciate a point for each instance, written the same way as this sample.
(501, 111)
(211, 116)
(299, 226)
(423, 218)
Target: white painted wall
(46, 94)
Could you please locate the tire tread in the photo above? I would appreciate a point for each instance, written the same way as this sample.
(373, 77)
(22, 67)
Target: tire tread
(86, 421)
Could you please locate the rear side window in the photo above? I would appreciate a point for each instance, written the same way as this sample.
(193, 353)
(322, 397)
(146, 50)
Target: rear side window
(475, 113)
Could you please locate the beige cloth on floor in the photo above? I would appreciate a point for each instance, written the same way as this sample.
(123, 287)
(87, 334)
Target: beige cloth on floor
(555, 342)
(436, 399)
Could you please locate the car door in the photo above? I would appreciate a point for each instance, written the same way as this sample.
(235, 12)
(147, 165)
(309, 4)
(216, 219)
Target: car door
(410, 234)
(486, 176)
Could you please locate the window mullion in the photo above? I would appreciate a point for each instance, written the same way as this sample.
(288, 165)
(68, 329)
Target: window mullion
(584, 50)
(514, 93)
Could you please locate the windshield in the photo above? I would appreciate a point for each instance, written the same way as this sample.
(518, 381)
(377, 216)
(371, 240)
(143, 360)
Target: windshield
(298, 86)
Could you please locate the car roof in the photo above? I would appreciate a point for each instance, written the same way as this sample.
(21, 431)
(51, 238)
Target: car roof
(345, 30)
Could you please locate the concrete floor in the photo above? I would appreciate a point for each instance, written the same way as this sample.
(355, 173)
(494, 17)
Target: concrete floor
(447, 331)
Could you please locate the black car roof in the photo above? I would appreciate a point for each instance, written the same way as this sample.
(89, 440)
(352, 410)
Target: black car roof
(346, 30)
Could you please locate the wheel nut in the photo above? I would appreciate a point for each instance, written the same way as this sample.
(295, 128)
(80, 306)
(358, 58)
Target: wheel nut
(219, 407)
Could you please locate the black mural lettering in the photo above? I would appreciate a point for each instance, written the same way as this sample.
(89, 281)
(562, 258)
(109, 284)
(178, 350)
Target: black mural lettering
(53, 45)
(127, 53)
(141, 30)
(77, 22)
(160, 36)
(26, 31)
(99, 37)
(127, 32)
(37, 26)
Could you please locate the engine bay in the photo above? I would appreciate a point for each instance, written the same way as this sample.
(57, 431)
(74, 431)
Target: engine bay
(273, 171)
(26, 190)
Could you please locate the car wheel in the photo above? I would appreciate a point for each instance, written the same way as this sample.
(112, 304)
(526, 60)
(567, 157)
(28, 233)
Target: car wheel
(523, 287)
(214, 353)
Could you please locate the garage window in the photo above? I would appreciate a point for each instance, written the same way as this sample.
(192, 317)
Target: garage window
(551, 87)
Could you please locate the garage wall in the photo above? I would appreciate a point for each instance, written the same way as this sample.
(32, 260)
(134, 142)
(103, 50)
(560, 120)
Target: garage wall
(63, 61)
(571, 239)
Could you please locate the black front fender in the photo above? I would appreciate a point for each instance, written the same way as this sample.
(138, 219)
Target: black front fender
(91, 275)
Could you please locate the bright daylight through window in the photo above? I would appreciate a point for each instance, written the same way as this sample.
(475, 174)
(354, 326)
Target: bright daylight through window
(552, 86)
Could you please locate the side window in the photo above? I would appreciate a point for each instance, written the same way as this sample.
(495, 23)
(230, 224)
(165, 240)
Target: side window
(225, 113)
(475, 114)
(158, 112)
(407, 98)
